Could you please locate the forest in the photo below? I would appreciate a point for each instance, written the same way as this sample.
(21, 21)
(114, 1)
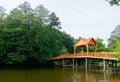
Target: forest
(30, 36)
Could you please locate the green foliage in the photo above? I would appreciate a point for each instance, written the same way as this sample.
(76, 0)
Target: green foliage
(100, 46)
(114, 2)
(54, 21)
(2, 16)
(27, 38)
(117, 49)
(115, 35)
(42, 14)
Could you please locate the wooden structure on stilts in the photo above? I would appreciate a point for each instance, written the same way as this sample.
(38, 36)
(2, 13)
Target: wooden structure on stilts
(86, 59)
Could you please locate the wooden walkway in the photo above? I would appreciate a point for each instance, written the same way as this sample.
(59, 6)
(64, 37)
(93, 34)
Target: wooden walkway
(97, 55)
(84, 58)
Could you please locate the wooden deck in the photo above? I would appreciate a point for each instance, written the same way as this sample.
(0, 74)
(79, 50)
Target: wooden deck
(97, 55)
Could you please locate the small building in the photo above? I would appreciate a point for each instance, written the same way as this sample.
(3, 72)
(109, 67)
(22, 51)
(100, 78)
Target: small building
(85, 43)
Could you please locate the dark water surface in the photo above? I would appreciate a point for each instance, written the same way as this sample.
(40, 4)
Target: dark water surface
(57, 75)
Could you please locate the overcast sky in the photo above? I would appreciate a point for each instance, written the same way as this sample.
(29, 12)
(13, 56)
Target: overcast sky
(79, 18)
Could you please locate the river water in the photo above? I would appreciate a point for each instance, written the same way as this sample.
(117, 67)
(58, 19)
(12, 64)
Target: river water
(57, 75)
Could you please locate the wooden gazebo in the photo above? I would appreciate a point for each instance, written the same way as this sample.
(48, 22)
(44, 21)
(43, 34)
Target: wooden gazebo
(85, 43)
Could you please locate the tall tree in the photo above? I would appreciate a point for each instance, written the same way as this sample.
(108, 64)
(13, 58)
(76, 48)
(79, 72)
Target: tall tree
(26, 40)
(117, 49)
(14, 19)
(28, 15)
(2, 16)
(115, 35)
(54, 21)
(25, 8)
(42, 14)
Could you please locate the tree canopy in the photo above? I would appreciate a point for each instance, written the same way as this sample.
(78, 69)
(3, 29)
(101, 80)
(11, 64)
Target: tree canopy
(117, 49)
(115, 35)
(100, 47)
(31, 36)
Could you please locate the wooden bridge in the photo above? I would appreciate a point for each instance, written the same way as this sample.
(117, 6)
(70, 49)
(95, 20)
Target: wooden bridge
(84, 58)
(98, 55)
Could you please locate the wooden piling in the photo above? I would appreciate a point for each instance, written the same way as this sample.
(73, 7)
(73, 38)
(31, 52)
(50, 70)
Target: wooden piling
(104, 65)
(63, 63)
(86, 63)
(73, 62)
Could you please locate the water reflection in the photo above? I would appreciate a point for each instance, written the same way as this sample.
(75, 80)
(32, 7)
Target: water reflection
(58, 75)
(95, 76)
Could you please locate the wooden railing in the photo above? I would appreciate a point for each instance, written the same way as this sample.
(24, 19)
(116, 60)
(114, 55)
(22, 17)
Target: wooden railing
(90, 54)
(97, 54)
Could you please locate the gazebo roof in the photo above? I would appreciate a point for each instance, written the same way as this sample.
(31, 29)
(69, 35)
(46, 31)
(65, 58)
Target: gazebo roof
(84, 42)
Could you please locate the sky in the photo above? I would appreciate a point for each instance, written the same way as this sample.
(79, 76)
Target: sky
(79, 18)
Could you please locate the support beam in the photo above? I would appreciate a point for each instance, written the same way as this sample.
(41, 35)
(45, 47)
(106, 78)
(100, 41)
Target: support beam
(95, 50)
(73, 62)
(112, 64)
(104, 65)
(82, 50)
(76, 63)
(87, 49)
(74, 50)
(115, 63)
(86, 67)
(63, 63)
(89, 63)
(55, 62)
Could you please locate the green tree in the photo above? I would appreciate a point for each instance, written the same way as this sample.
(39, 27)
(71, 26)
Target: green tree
(14, 19)
(28, 15)
(54, 21)
(42, 14)
(117, 49)
(100, 46)
(27, 41)
(114, 36)
(2, 16)
(114, 2)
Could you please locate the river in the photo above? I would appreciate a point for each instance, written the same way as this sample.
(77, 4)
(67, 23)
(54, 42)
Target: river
(57, 75)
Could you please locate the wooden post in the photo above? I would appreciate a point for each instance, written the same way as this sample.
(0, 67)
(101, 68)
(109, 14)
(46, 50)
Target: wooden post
(95, 50)
(87, 49)
(86, 63)
(104, 65)
(82, 50)
(89, 63)
(112, 64)
(74, 50)
(63, 62)
(76, 63)
(73, 62)
(55, 62)
(115, 63)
